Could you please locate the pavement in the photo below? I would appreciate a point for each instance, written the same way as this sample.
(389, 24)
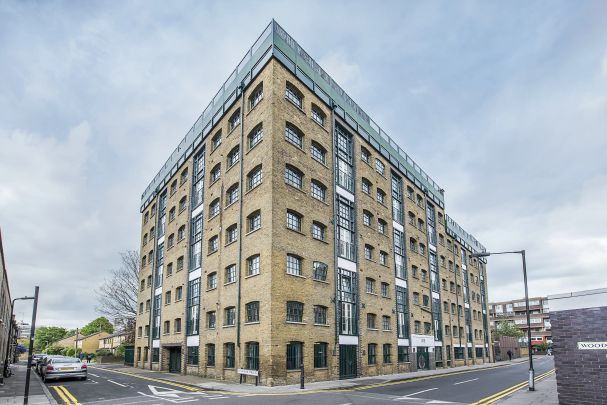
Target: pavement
(13, 389)
(545, 394)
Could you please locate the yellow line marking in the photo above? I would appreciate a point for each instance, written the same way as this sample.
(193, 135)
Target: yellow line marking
(63, 397)
(510, 390)
(69, 395)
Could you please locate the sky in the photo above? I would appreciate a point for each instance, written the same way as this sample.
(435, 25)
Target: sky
(503, 104)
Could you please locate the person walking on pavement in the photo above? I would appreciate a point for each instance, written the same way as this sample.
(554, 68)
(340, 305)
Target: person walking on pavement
(89, 357)
(509, 352)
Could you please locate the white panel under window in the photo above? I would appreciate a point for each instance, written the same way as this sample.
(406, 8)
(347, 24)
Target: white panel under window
(467, 305)
(193, 340)
(346, 264)
(348, 340)
(403, 342)
(156, 343)
(400, 282)
(397, 226)
(435, 295)
(194, 275)
(344, 193)
(160, 240)
(197, 210)
(158, 291)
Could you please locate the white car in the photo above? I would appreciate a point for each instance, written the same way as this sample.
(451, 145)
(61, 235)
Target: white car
(63, 367)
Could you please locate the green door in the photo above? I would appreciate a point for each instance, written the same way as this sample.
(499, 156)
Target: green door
(129, 356)
(423, 358)
(347, 361)
(175, 360)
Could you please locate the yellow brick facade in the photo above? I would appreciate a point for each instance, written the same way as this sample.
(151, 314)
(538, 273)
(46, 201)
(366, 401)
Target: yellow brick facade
(319, 337)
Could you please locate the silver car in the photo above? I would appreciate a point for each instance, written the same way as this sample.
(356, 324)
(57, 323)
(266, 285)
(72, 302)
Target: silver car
(63, 367)
(42, 363)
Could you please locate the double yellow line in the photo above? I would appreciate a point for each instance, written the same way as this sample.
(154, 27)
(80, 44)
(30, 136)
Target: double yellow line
(65, 395)
(495, 397)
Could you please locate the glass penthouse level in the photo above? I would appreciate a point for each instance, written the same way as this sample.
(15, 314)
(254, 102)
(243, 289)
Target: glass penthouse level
(276, 42)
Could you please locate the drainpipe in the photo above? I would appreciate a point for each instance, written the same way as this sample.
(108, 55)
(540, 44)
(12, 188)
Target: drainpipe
(240, 215)
(457, 303)
(335, 236)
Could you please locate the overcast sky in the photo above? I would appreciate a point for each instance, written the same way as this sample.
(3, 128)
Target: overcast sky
(504, 104)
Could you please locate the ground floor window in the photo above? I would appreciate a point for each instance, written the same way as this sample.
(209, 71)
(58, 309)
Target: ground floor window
(294, 355)
(479, 352)
(469, 352)
(146, 350)
(458, 353)
(403, 354)
(211, 355)
(372, 353)
(138, 353)
(193, 355)
(155, 355)
(448, 352)
(229, 355)
(320, 355)
(387, 353)
(252, 355)
(438, 354)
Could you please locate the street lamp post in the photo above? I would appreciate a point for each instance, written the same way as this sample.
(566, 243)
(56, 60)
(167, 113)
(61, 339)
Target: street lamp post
(10, 332)
(529, 348)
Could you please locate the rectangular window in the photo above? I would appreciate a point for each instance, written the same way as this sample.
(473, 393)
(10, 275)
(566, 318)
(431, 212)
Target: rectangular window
(320, 355)
(371, 321)
(229, 353)
(155, 355)
(370, 283)
(293, 221)
(386, 322)
(193, 307)
(212, 281)
(252, 312)
(192, 355)
(403, 354)
(320, 271)
(156, 317)
(318, 191)
(253, 265)
(294, 311)
(379, 166)
(294, 355)
(293, 265)
(385, 288)
(293, 177)
(372, 353)
(293, 135)
(252, 355)
(196, 243)
(318, 153)
(318, 231)
(320, 315)
(210, 355)
(229, 316)
(211, 319)
(387, 353)
(230, 274)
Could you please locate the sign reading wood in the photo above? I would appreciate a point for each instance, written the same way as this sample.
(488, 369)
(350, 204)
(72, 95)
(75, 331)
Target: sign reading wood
(592, 345)
(245, 371)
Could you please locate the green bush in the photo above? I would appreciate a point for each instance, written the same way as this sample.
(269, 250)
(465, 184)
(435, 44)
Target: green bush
(104, 352)
(54, 350)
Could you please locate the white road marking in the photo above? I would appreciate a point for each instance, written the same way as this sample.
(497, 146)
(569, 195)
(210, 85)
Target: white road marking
(463, 382)
(94, 375)
(114, 382)
(408, 396)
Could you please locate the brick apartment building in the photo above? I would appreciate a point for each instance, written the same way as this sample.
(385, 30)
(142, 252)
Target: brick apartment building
(515, 311)
(287, 227)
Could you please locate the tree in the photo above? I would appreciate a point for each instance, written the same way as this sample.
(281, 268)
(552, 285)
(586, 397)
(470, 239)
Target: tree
(45, 335)
(100, 324)
(117, 296)
(508, 329)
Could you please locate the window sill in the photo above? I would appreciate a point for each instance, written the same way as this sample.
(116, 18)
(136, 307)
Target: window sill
(295, 323)
(296, 231)
(254, 187)
(252, 323)
(212, 253)
(251, 109)
(254, 146)
(230, 204)
(230, 243)
(321, 281)
(231, 130)
(230, 283)
(252, 275)
(296, 275)
(210, 289)
(321, 240)
(253, 231)
(322, 325)
(295, 187)
(387, 330)
(373, 329)
(300, 109)
(228, 326)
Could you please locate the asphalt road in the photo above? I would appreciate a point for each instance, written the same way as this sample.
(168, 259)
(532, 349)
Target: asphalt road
(106, 387)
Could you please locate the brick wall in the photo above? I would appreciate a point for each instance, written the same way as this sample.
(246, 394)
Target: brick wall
(581, 374)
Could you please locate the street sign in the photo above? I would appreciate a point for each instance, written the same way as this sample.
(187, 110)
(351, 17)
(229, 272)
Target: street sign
(248, 372)
(592, 345)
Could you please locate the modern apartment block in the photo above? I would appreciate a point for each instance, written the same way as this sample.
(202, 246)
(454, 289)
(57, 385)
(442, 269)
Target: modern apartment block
(287, 228)
(515, 311)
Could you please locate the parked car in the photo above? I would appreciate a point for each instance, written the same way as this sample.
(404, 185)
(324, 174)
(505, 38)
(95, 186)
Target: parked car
(43, 360)
(63, 367)
(36, 357)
